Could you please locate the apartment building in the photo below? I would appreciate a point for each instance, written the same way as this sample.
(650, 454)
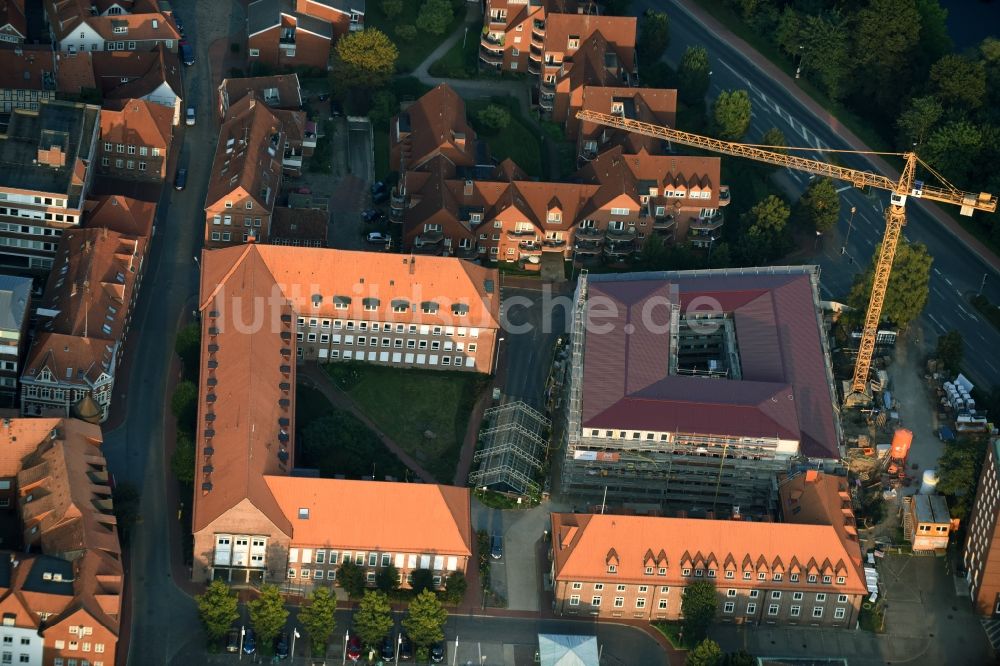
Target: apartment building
(648, 105)
(121, 214)
(515, 29)
(15, 310)
(299, 227)
(61, 582)
(153, 76)
(83, 319)
(13, 22)
(135, 139)
(804, 571)
(285, 35)
(27, 75)
(126, 26)
(281, 91)
(598, 62)
(254, 520)
(45, 173)
(698, 387)
(981, 552)
(246, 175)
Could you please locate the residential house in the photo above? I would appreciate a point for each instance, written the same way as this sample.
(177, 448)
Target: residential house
(253, 520)
(283, 36)
(13, 22)
(83, 319)
(15, 310)
(121, 214)
(343, 15)
(45, 173)
(76, 29)
(61, 585)
(804, 571)
(299, 227)
(153, 76)
(514, 29)
(246, 175)
(280, 91)
(981, 551)
(135, 138)
(27, 76)
(648, 105)
(700, 387)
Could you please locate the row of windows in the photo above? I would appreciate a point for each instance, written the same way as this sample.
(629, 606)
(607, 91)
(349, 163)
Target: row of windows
(397, 357)
(331, 575)
(794, 611)
(372, 559)
(27, 228)
(796, 596)
(37, 215)
(598, 587)
(122, 164)
(82, 646)
(121, 148)
(58, 661)
(395, 343)
(387, 327)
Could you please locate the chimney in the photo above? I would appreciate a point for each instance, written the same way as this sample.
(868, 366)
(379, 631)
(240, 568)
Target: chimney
(54, 156)
(812, 476)
(459, 138)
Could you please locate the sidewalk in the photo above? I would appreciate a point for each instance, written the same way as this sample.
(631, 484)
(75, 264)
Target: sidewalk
(788, 83)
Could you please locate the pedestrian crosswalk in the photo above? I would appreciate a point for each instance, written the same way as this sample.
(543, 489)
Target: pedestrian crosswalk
(992, 628)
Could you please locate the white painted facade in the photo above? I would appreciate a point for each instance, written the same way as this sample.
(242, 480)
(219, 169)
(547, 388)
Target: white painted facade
(83, 38)
(20, 645)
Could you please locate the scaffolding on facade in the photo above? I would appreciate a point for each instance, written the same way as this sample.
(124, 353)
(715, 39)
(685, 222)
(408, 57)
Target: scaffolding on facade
(513, 449)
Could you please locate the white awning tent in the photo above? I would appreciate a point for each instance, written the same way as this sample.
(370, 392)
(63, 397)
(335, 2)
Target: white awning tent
(565, 650)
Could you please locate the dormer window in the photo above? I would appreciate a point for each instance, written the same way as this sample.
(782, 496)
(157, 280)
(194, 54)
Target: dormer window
(476, 218)
(617, 108)
(573, 42)
(612, 568)
(555, 217)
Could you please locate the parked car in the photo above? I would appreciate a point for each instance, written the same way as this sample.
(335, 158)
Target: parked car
(249, 642)
(437, 652)
(179, 24)
(233, 640)
(388, 648)
(371, 216)
(496, 547)
(381, 196)
(354, 648)
(377, 186)
(281, 645)
(189, 116)
(187, 53)
(180, 179)
(378, 237)
(406, 648)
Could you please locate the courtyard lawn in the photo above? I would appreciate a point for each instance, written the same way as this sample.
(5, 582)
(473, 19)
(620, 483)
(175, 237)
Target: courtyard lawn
(411, 53)
(516, 141)
(425, 412)
(337, 443)
(461, 61)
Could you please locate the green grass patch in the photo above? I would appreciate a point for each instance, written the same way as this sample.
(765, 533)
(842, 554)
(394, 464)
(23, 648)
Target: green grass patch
(495, 500)
(673, 632)
(411, 53)
(426, 412)
(516, 141)
(871, 618)
(461, 61)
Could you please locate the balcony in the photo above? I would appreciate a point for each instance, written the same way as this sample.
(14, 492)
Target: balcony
(520, 233)
(491, 40)
(309, 140)
(529, 248)
(548, 88)
(546, 102)
(724, 196)
(490, 57)
(665, 222)
(619, 251)
(553, 243)
(535, 55)
(357, 26)
(587, 250)
(428, 238)
(589, 232)
(533, 68)
(708, 223)
(538, 30)
(621, 235)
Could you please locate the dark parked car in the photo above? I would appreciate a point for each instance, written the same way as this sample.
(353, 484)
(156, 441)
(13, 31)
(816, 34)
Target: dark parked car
(180, 179)
(388, 649)
(406, 648)
(380, 192)
(437, 652)
(378, 237)
(371, 216)
(281, 645)
(233, 640)
(354, 648)
(378, 186)
(187, 53)
(249, 642)
(496, 547)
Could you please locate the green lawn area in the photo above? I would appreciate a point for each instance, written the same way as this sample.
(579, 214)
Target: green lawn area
(672, 630)
(411, 53)
(461, 61)
(516, 141)
(409, 405)
(338, 443)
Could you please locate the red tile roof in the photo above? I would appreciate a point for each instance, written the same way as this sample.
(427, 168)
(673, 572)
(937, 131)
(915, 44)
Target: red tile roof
(785, 390)
(437, 126)
(650, 105)
(280, 91)
(12, 17)
(137, 122)
(121, 214)
(75, 72)
(27, 67)
(145, 70)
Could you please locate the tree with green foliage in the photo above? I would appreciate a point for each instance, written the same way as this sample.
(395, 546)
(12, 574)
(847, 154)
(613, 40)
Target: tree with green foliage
(731, 114)
(364, 59)
(267, 614)
(425, 619)
(218, 608)
(883, 52)
(953, 150)
(654, 35)
(775, 138)
(182, 460)
(917, 120)
(958, 473)
(706, 653)
(825, 54)
(392, 8)
(764, 227)
(934, 38)
(387, 579)
(950, 350)
(421, 579)
(693, 75)
(819, 206)
(787, 32)
(184, 405)
(959, 82)
(909, 285)
(698, 605)
(373, 619)
(351, 579)
(317, 617)
(406, 32)
(455, 587)
(493, 118)
(384, 107)
(435, 16)
(188, 348)
(739, 658)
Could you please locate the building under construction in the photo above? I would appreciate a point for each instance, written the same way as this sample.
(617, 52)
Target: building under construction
(512, 450)
(695, 388)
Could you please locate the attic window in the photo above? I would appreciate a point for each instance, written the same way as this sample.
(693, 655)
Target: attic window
(317, 300)
(399, 305)
(341, 302)
(370, 304)
(303, 513)
(460, 309)
(429, 307)
(612, 568)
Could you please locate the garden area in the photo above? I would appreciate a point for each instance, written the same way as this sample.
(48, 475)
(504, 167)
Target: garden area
(461, 61)
(338, 444)
(426, 412)
(401, 20)
(508, 135)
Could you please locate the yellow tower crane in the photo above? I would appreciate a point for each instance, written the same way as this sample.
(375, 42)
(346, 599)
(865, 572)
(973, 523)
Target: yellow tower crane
(895, 214)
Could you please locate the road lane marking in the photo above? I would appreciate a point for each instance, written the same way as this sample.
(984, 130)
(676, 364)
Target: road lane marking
(937, 272)
(948, 281)
(936, 322)
(992, 367)
(844, 188)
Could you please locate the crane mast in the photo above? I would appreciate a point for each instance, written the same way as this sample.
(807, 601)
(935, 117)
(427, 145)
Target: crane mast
(895, 213)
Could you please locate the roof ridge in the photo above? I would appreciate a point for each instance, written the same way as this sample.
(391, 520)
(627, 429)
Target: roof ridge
(249, 247)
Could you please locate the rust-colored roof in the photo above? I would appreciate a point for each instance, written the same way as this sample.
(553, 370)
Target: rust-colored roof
(816, 498)
(12, 16)
(71, 359)
(583, 545)
(248, 156)
(121, 214)
(145, 71)
(27, 67)
(75, 72)
(137, 122)
(437, 126)
(397, 517)
(280, 91)
(597, 62)
(65, 15)
(785, 390)
(18, 438)
(650, 105)
(618, 30)
(299, 226)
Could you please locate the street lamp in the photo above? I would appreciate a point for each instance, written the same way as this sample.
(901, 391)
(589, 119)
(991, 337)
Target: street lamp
(982, 284)
(399, 645)
(243, 632)
(802, 55)
(295, 634)
(711, 241)
(454, 655)
(850, 225)
(819, 234)
(347, 634)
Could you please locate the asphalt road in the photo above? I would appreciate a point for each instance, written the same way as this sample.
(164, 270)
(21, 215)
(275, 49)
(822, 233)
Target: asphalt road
(531, 322)
(957, 272)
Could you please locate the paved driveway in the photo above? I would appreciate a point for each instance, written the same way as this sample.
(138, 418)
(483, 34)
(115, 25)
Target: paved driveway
(532, 318)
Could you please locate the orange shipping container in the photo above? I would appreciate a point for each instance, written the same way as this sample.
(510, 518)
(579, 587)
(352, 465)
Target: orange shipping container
(901, 441)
